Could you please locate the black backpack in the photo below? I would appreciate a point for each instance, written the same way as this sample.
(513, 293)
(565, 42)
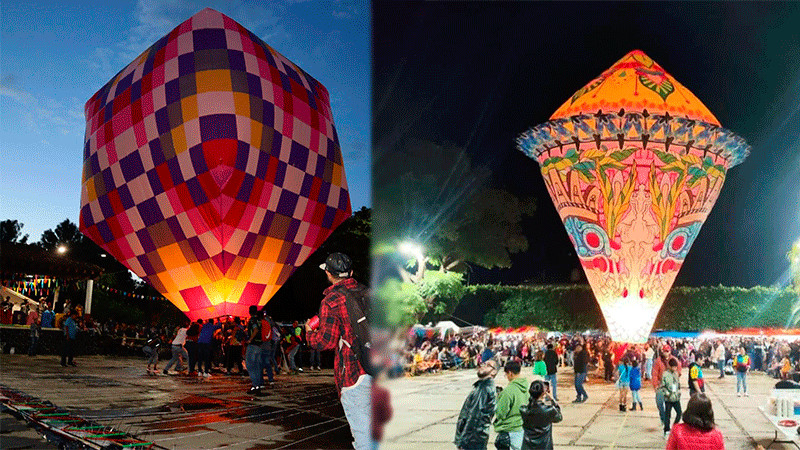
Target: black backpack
(357, 302)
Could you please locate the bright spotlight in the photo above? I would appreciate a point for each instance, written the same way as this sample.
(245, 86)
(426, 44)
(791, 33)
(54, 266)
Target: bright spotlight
(411, 248)
(62, 249)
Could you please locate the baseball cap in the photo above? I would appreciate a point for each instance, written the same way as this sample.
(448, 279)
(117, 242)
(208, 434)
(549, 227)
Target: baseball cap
(337, 264)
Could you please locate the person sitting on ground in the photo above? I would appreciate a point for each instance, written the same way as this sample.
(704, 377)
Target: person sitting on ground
(538, 417)
(697, 432)
(785, 368)
(443, 355)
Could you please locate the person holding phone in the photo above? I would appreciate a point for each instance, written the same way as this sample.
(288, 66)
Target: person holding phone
(538, 417)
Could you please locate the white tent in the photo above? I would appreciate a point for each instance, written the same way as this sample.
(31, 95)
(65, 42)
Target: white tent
(444, 326)
(448, 325)
(17, 299)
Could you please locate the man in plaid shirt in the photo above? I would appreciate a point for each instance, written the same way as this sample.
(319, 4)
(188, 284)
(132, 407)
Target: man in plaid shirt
(335, 333)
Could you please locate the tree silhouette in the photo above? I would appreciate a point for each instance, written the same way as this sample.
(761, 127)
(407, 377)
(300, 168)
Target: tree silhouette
(10, 232)
(65, 233)
(435, 195)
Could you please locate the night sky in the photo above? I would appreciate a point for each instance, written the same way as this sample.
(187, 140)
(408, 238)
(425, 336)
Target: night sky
(479, 74)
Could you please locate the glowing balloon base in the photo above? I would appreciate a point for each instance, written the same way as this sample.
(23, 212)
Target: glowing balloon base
(633, 183)
(629, 319)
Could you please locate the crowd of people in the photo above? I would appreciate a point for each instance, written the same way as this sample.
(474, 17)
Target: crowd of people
(659, 362)
(204, 346)
(214, 344)
(251, 346)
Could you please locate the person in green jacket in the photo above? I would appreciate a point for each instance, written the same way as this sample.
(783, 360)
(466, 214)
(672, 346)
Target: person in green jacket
(539, 367)
(508, 421)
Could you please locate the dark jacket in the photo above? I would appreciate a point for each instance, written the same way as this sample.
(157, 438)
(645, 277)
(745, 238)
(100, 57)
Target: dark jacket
(537, 423)
(551, 361)
(472, 428)
(580, 361)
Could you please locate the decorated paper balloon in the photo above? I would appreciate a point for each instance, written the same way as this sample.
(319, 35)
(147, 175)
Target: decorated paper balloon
(212, 168)
(634, 163)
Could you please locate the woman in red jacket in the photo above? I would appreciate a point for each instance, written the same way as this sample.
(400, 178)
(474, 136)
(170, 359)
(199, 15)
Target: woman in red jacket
(697, 432)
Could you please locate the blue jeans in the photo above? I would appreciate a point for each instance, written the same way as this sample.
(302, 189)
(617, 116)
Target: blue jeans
(635, 397)
(152, 355)
(357, 406)
(290, 357)
(660, 404)
(580, 377)
(721, 364)
(649, 368)
(177, 352)
(268, 359)
(553, 384)
(514, 438)
(315, 358)
(741, 380)
(253, 358)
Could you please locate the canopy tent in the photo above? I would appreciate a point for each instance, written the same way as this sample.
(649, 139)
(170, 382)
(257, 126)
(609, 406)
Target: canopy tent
(675, 334)
(447, 325)
(770, 332)
(15, 297)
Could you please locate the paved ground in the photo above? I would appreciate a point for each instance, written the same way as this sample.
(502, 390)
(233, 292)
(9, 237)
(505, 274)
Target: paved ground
(300, 411)
(426, 409)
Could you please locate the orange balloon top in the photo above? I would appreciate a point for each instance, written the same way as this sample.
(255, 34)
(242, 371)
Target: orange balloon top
(636, 83)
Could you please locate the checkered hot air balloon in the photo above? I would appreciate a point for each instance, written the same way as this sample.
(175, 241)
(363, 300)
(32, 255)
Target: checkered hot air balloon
(212, 168)
(634, 162)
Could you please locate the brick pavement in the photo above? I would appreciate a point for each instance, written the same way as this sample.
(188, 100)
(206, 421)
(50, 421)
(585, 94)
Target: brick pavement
(426, 409)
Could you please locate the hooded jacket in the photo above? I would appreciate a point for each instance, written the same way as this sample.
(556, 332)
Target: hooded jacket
(472, 428)
(509, 401)
(537, 422)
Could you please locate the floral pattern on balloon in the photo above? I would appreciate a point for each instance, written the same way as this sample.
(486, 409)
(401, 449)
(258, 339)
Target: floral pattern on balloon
(633, 183)
(589, 239)
(680, 240)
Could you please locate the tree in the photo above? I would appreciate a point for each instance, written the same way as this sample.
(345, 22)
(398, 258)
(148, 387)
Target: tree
(10, 232)
(65, 233)
(794, 260)
(794, 265)
(436, 196)
(79, 246)
(300, 296)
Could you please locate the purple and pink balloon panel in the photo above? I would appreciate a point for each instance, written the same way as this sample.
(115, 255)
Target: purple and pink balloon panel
(212, 167)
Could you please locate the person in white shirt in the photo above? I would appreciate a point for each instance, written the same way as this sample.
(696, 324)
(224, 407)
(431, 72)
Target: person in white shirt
(719, 357)
(648, 357)
(178, 350)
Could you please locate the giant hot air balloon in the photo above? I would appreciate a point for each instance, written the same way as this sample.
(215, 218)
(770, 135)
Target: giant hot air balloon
(212, 168)
(634, 163)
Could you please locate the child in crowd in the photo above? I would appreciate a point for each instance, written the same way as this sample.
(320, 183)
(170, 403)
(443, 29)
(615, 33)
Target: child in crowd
(151, 350)
(636, 384)
(671, 388)
(623, 382)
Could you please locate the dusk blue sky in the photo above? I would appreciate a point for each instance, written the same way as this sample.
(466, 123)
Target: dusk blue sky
(55, 55)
